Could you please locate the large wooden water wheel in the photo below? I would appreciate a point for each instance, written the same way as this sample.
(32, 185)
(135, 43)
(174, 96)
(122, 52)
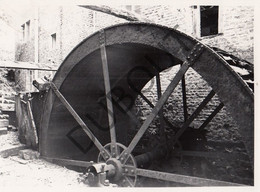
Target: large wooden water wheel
(90, 109)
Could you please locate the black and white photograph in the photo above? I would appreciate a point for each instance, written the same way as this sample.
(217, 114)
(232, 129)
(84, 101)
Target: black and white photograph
(146, 95)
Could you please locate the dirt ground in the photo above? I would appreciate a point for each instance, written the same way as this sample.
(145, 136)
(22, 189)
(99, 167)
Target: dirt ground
(26, 175)
(21, 174)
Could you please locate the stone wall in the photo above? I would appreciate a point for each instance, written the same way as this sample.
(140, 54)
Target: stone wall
(237, 32)
(7, 50)
(221, 135)
(236, 25)
(7, 35)
(70, 24)
(179, 18)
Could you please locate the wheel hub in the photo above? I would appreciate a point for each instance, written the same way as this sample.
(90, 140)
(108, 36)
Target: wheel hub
(121, 173)
(117, 172)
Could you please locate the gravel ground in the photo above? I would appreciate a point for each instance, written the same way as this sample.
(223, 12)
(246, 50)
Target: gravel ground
(32, 173)
(9, 140)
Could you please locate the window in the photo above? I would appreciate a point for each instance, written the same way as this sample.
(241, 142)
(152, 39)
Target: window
(10, 76)
(128, 7)
(209, 20)
(137, 9)
(23, 32)
(133, 8)
(31, 80)
(53, 41)
(28, 29)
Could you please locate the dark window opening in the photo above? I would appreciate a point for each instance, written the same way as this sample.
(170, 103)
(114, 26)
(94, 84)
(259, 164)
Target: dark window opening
(23, 31)
(28, 29)
(10, 76)
(209, 20)
(53, 41)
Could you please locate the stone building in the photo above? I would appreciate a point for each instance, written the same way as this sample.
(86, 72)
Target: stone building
(7, 36)
(49, 33)
(229, 28)
(7, 52)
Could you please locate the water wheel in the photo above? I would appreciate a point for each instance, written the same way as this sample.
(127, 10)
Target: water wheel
(91, 113)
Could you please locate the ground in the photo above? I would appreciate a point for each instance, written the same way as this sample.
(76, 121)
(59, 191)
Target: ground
(20, 173)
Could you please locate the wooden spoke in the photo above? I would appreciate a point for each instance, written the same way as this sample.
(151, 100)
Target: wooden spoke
(129, 183)
(193, 116)
(166, 121)
(124, 155)
(159, 94)
(212, 115)
(69, 162)
(146, 99)
(189, 180)
(108, 92)
(184, 99)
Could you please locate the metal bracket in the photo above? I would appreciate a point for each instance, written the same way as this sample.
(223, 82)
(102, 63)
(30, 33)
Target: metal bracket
(195, 53)
(102, 38)
(41, 85)
(129, 170)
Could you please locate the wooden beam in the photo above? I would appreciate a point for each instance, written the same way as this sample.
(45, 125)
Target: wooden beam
(212, 115)
(68, 162)
(32, 124)
(26, 65)
(120, 13)
(159, 95)
(184, 98)
(193, 116)
(189, 180)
